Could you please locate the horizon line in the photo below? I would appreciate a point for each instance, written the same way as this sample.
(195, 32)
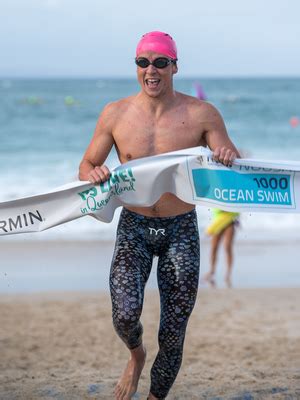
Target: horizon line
(7, 77)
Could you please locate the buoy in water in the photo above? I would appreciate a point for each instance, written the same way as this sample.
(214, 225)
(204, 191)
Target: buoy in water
(294, 122)
(199, 92)
(70, 101)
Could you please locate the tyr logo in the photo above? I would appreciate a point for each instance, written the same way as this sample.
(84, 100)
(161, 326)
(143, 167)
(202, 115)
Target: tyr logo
(157, 231)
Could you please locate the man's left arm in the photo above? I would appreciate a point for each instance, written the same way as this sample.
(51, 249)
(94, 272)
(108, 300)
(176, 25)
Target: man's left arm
(216, 137)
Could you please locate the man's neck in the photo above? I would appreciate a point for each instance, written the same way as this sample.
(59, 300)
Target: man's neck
(157, 105)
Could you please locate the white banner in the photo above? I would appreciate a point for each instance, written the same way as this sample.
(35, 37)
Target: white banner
(190, 174)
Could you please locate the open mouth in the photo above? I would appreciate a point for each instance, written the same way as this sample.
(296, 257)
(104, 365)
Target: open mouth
(152, 83)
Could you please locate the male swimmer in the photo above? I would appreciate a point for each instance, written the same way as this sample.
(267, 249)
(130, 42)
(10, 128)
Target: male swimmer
(156, 120)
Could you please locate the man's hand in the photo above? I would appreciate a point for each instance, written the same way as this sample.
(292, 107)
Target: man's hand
(224, 155)
(99, 174)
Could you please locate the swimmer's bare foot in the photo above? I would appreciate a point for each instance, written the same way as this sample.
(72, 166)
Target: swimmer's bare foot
(128, 383)
(209, 278)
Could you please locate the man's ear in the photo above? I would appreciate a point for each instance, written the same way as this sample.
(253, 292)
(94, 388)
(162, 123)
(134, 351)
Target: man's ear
(174, 68)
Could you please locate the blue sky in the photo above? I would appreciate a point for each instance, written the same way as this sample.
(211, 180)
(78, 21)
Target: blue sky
(96, 38)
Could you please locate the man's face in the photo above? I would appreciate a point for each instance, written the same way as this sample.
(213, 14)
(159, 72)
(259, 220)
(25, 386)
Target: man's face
(155, 81)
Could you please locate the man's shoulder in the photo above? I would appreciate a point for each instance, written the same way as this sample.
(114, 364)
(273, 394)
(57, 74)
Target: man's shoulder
(201, 106)
(117, 108)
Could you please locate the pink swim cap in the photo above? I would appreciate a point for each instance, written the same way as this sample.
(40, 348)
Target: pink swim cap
(159, 42)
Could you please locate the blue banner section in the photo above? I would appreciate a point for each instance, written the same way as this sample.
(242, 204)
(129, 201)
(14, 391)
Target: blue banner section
(249, 188)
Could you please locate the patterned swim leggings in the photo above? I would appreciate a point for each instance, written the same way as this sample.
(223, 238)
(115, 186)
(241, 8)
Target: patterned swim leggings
(175, 240)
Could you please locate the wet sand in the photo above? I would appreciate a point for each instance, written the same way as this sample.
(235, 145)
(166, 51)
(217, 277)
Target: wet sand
(40, 265)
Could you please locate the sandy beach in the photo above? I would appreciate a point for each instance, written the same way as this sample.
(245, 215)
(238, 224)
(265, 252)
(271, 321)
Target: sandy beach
(57, 340)
(241, 344)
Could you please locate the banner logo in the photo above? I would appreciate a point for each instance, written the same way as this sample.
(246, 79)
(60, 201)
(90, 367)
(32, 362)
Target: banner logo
(157, 231)
(20, 221)
(98, 197)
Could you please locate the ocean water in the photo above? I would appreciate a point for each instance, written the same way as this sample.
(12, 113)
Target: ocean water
(46, 125)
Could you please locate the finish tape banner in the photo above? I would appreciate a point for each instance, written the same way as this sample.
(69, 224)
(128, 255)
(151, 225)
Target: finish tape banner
(190, 174)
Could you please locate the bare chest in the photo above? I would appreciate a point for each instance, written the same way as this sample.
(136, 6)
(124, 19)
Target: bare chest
(142, 137)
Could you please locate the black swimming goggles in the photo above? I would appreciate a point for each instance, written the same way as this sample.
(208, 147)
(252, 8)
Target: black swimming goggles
(160, 62)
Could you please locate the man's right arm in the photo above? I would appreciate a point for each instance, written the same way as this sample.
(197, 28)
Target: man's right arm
(91, 167)
(216, 136)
